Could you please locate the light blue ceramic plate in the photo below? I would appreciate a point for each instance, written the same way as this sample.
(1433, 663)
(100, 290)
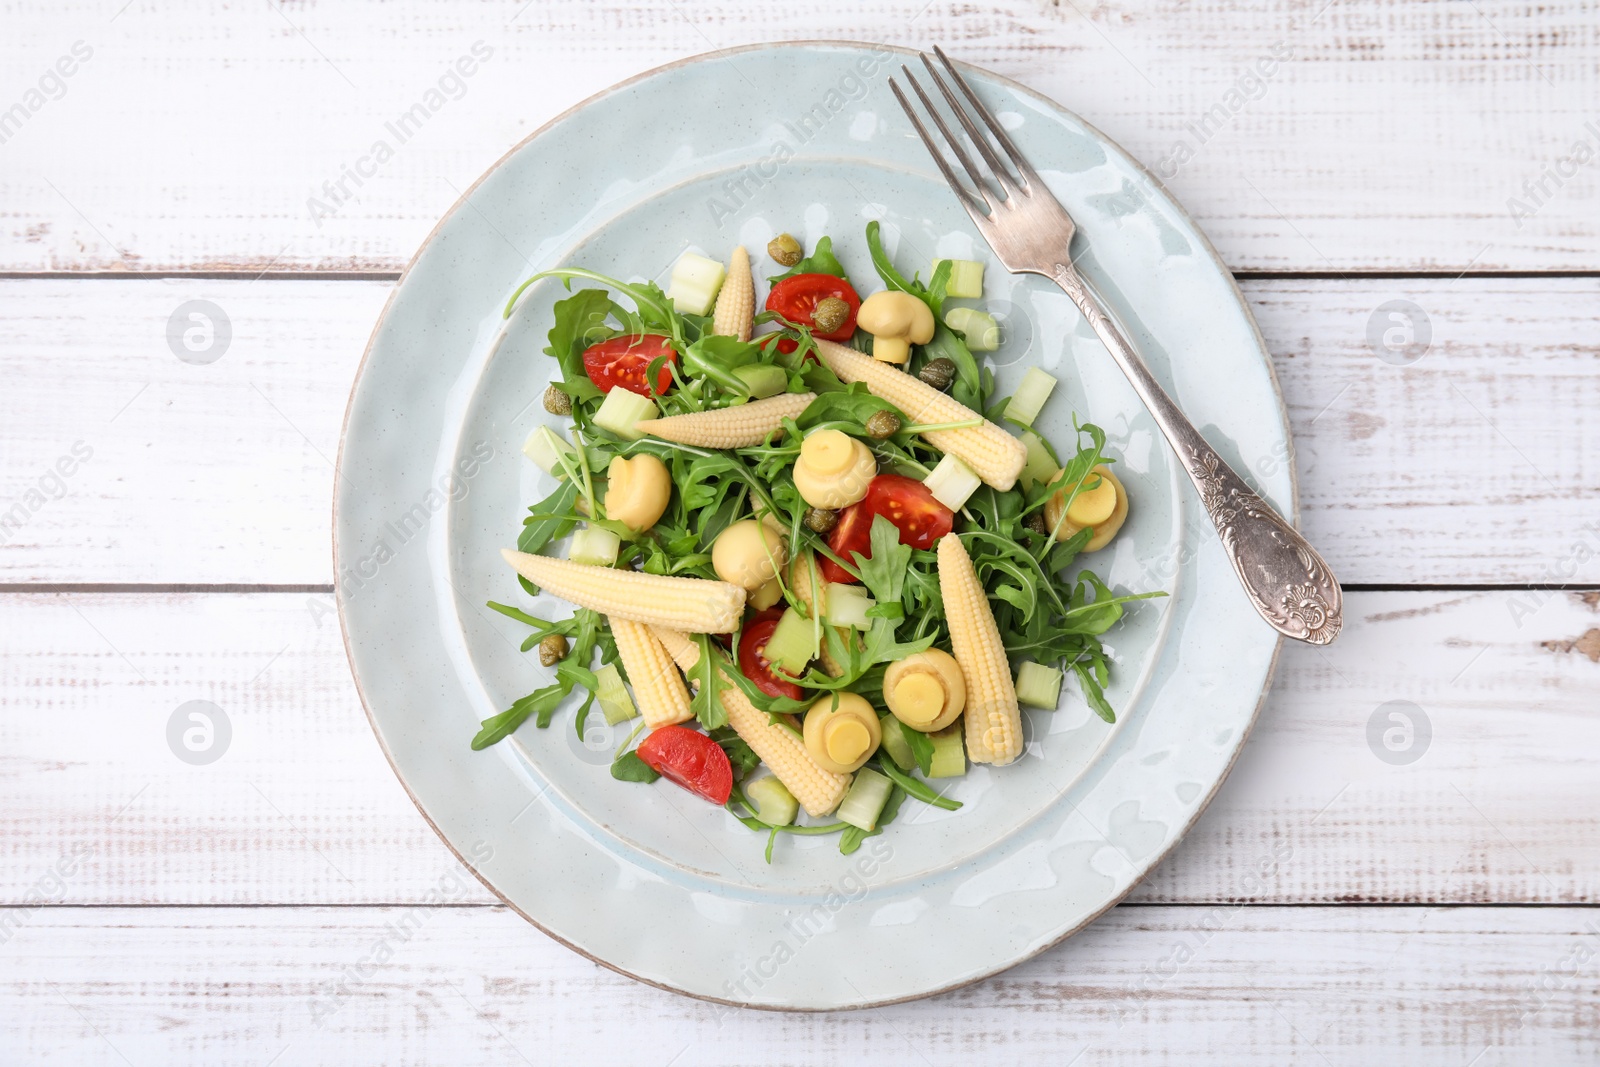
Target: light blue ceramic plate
(732, 148)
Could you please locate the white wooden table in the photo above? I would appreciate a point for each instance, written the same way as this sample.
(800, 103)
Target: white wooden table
(164, 538)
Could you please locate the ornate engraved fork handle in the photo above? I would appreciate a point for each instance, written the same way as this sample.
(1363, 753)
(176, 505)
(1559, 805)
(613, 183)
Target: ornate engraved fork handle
(1286, 579)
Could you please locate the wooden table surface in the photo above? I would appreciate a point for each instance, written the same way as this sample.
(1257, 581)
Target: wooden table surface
(164, 537)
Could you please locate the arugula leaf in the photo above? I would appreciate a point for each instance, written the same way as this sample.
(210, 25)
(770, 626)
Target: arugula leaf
(740, 754)
(820, 261)
(884, 571)
(497, 728)
(551, 518)
(853, 407)
(630, 768)
(580, 321)
(708, 677)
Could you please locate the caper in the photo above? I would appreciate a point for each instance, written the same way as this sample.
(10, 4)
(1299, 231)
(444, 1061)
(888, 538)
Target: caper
(883, 424)
(784, 250)
(556, 402)
(1035, 522)
(938, 373)
(552, 650)
(830, 314)
(821, 520)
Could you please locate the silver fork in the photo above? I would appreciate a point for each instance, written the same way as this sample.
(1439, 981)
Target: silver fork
(1031, 233)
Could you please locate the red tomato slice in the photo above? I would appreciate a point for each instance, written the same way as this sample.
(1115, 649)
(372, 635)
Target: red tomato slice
(753, 663)
(624, 360)
(691, 759)
(906, 502)
(797, 298)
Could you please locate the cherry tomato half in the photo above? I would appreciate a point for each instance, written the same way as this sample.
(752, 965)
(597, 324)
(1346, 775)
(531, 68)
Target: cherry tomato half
(797, 298)
(690, 759)
(906, 502)
(624, 360)
(753, 663)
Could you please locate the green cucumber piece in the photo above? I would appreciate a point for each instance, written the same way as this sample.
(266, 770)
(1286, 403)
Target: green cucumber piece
(966, 280)
(895, 743)
(951, 482)
(546, 447)
(1028, 400)
(1041, 466)
(1038, 686)
(848, 606)
(694, 284)
(762, 379)
(596, 546)
(864, 803)
(775, 805)
(949, 757)
(793, 644)
(621, 410)
(613, 695)
(978, 327)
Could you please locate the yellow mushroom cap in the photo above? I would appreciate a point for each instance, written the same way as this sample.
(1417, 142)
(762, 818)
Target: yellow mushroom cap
(841, 738)
(828, 451)
(919, 698)
(749, 554)
(1093, 506)
(925, 691)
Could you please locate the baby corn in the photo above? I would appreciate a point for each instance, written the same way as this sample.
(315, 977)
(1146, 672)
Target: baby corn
(994, 722)
(695, 605)
(737, 427)
(658, 688)
(994, 455)
(736, 303)
(818, 791)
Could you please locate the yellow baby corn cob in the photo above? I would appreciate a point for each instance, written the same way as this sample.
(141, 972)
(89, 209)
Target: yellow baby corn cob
(994, 722)
(736, 304)
(818, 791)
(994, 455)
(695, 605)
(658, 688)
(737, 427)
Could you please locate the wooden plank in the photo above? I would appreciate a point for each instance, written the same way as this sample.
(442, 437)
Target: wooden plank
(1477, 463)
(1502, 803)
(1352, 136)
(1144, 986)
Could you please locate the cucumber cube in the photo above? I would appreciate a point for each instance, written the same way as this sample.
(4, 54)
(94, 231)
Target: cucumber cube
(848, 606)
(621, 410)
(1041, 466)
(613, 695)
(949, 757)
(951, 482)
(793, 643)
(864, 803)
(1028, 400)
(546, 447)
(978, 327)
(966, 279)
(895, 743)
(775, 805)
(694, 284)
(596, 546)
(1038, 686)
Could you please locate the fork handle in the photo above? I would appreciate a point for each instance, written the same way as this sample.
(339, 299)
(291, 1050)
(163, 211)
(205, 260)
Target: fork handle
(1287, 581)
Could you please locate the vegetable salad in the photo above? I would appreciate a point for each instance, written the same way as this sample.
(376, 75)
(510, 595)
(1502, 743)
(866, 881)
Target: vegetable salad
(810, 550)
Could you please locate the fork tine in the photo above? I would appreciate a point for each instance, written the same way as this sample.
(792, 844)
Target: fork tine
(978, 210)
(1018, 160)
(1001, 173)
(950, 139)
